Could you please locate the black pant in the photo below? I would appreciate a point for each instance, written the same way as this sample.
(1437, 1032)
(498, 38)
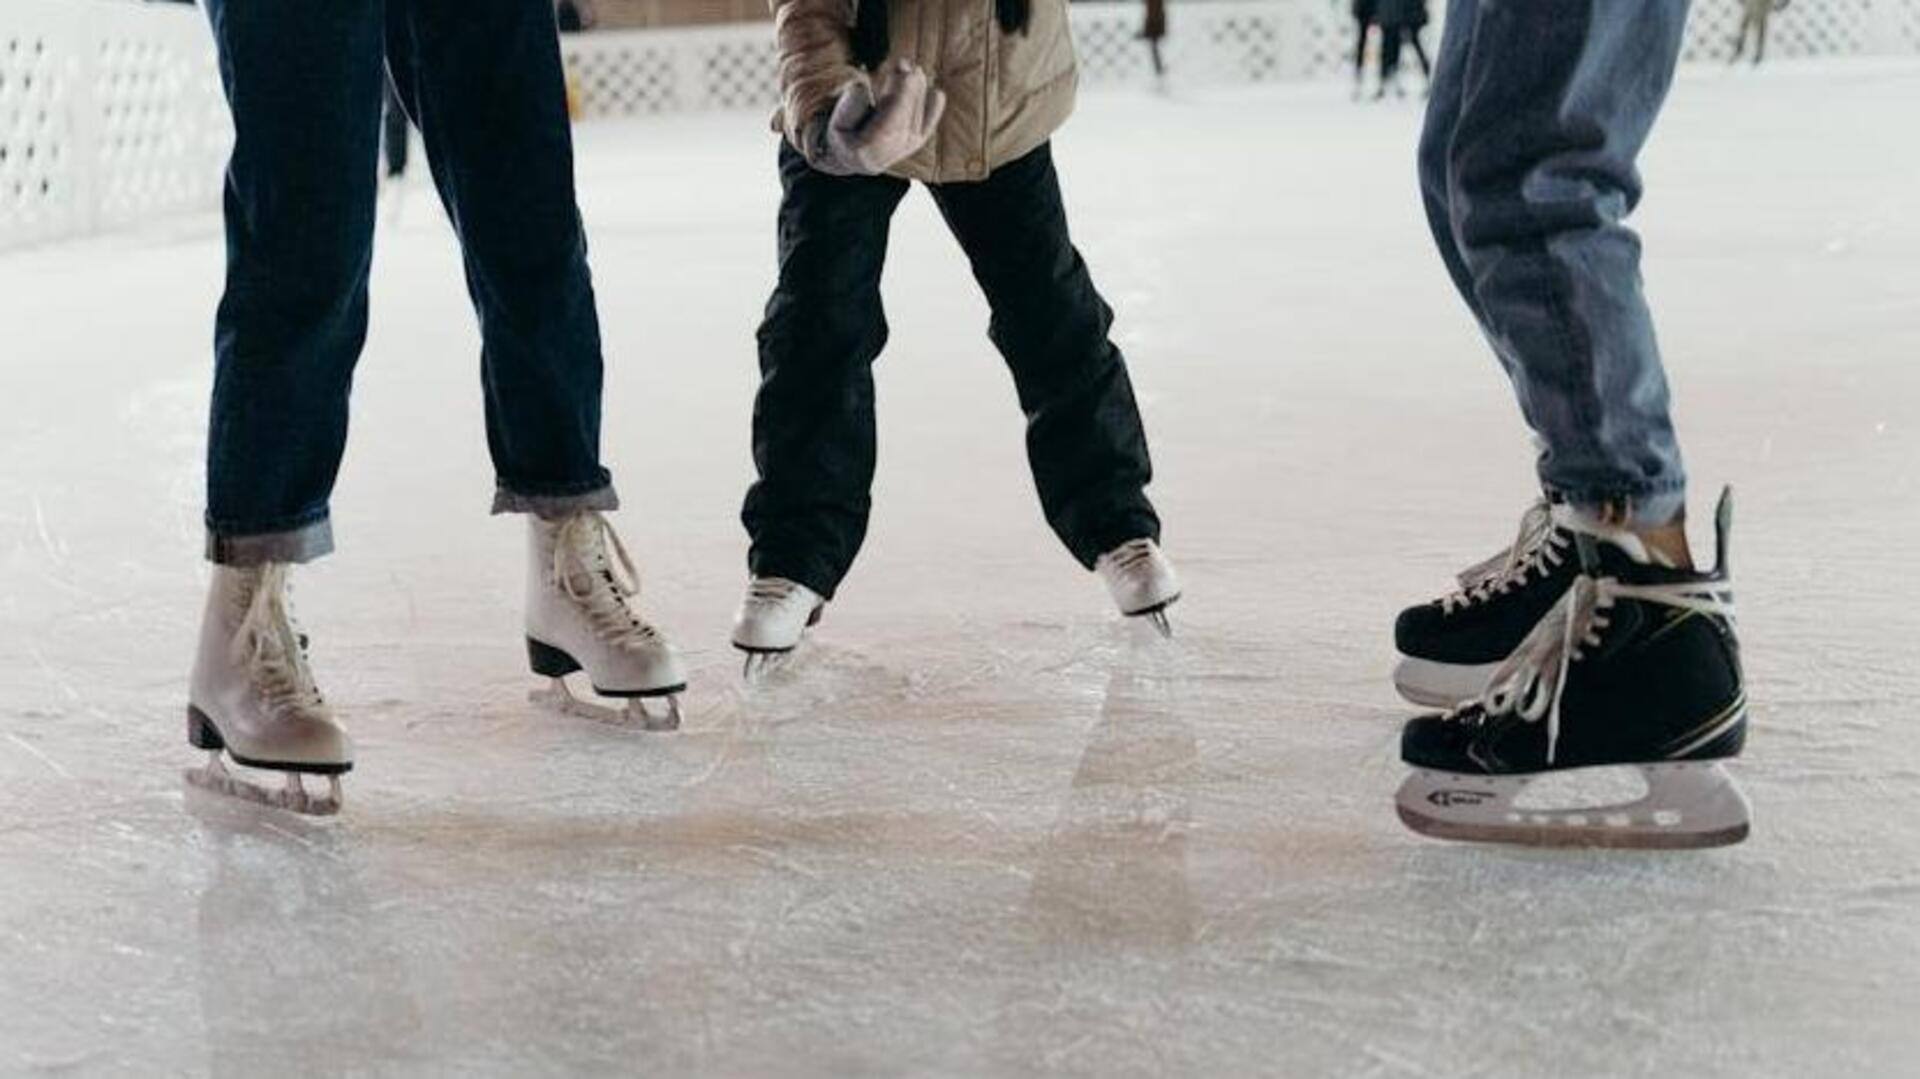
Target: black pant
(482, 80)
(1391, 38)
(813, 423)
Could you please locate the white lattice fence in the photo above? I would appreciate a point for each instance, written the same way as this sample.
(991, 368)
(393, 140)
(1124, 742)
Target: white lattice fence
(110, 110)
(110, 113)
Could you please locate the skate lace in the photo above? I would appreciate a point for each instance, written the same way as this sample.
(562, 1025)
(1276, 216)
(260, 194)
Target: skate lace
(1131, 555)
(770, 591)
(581, 549)
(1532, 681)
(273, 649)
(1536, 550)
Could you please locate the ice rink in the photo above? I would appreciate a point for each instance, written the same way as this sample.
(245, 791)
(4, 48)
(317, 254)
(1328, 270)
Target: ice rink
(981, 828)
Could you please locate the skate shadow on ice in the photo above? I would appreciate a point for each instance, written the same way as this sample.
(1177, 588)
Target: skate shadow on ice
(298, 969)
(1113, 872)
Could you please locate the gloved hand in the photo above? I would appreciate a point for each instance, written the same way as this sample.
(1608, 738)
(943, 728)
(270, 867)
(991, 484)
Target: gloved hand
(869, 130)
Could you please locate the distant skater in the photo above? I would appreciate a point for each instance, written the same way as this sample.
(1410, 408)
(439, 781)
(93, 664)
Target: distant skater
(1753, 17)
(394, 134)
(1365, 14)
(1153, 32)
(1401, 22)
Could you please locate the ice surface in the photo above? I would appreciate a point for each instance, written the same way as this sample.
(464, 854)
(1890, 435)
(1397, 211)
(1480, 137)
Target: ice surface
(982, 828)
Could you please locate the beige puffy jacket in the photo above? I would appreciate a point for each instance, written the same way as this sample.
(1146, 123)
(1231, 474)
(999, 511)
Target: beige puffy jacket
(1006, 93)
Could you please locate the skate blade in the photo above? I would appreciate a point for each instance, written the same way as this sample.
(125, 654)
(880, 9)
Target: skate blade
(291, 796)
(758, 667)
(1688, 805)
(636, 714)
(1155, 617)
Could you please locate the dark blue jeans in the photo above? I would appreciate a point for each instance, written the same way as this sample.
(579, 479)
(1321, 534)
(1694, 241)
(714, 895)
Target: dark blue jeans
(482, 81)
(1539, 111)
(813, 421)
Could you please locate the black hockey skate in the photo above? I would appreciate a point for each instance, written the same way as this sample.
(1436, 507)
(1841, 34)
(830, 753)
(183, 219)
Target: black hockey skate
(1451, 646)
(1634, 665)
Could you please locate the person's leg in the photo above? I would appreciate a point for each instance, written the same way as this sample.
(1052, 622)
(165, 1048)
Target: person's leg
(813, 423)
(1558, 97)
(1359, 49)
(1389, 56)
(303, 82)
(395, 134)
(482, 80)
(1436, 141)
(1760, 19)
(1420, 52)
(1085, 440)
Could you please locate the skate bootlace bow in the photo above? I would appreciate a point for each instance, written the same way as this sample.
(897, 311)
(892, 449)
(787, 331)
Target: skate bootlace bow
(1532, 680)
(1536, 550)
(583, 542)
(269, 643)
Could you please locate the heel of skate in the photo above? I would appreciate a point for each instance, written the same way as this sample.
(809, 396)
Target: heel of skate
(201, 733)
(548, 661)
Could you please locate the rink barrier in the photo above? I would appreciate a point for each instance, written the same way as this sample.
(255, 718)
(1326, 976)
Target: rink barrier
(111, 114)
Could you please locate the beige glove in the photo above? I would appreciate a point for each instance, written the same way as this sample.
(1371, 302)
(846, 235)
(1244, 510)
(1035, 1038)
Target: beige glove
(871, 129)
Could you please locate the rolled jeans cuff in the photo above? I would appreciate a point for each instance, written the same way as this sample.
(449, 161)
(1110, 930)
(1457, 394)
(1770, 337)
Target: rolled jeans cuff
(1645, 509)
(552, 506)
(302, 544)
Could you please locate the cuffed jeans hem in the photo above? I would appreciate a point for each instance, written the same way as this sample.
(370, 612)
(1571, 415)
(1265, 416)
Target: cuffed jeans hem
(303, 544)
(551, 506)
(1636, 509)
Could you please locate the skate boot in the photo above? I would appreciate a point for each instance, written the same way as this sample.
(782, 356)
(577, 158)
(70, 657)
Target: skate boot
(772, 618)
(582, 593)
(1451, 646)
(253, 697)
(1636, 664)
(1141, 580)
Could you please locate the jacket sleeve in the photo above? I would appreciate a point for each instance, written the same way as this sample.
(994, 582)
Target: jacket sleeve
(816, 59)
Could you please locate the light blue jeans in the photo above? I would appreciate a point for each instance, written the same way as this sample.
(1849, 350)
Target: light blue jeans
(1539, 110)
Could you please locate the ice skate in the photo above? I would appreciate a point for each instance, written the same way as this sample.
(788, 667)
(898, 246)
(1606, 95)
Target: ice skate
(1450, 647)
(253, 699)
(582, 595)
(1141, 580)
(773, 616)
(1634, 665)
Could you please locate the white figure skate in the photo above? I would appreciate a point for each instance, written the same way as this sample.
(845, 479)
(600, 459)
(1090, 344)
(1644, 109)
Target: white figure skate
(253, 697)
(1141, 580)
(582, 594)
(773, 616)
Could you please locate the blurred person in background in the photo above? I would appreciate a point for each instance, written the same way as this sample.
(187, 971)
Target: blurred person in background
(1754, 15)
(1401, 22)
(862, 117)
(395, 134)
(1365, 14)
(575, 16)
(1154, 31)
